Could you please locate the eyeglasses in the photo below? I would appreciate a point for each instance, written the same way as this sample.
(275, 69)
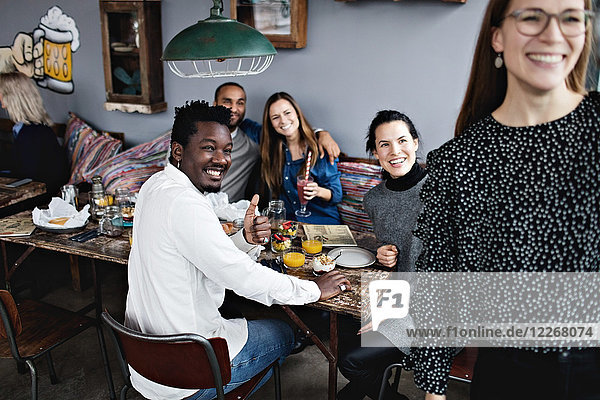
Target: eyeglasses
(533, 21)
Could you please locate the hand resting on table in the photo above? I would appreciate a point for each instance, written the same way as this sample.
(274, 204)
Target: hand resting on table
(331, 284)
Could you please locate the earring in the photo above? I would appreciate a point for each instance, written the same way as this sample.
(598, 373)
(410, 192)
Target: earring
(498, 62)
(178, 164)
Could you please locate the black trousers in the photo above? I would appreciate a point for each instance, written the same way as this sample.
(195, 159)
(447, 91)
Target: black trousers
(522, 374)
(364, 366)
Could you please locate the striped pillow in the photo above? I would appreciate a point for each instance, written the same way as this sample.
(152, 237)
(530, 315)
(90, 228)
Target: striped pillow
(131, 168)
(357, 179)
(86, 148)
(76, 127)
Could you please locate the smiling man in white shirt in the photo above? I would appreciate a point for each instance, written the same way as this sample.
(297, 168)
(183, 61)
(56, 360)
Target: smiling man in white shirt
(182, 261)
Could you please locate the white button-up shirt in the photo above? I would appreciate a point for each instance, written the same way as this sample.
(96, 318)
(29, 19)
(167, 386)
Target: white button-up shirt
(181, 263)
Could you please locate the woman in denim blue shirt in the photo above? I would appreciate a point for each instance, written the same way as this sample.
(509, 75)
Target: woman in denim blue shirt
(286, 140)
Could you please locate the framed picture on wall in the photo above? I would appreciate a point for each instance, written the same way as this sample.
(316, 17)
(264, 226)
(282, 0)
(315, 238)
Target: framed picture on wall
(283, 22)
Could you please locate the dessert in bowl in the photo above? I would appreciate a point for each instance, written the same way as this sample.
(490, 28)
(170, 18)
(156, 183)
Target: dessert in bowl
(322, 264)
(280, 243)
(288, 228)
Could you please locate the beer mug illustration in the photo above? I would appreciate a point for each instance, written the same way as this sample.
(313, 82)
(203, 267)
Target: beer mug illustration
(60, 38)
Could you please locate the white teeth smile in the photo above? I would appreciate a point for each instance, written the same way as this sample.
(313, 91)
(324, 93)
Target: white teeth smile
(286, 126)
(213, 172)
(398, 161)
(546, 58)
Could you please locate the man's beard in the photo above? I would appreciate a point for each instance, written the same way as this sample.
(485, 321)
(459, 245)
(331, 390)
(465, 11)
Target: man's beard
(233, 125)
(212, 189)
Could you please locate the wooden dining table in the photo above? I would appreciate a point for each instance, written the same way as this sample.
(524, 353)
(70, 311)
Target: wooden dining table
(349, 303)
(116, 250)
(13, 196)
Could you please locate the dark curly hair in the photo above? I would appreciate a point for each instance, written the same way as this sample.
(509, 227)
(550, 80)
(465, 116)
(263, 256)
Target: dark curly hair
(192, 112)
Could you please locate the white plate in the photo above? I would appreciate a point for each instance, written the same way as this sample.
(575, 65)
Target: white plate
(352, 257)
(62, 229)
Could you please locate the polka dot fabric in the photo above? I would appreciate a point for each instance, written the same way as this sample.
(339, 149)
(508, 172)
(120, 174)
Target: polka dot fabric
(502, 198)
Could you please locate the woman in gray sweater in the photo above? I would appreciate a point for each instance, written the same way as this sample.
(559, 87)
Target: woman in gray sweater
(393, 207)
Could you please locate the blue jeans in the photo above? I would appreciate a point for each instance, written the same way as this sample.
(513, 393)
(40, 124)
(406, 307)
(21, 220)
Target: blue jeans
(268, 340)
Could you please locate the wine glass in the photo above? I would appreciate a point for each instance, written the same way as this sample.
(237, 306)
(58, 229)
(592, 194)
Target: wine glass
(301, 184)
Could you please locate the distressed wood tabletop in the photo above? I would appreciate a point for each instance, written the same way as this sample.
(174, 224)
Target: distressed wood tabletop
(10, 196)
(112, 249)
(116, 249)
(350, 302)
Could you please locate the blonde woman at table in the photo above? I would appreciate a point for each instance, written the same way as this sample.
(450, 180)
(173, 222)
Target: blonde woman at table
(36, 153)
(518, 188)
(393, 207)
(286, 141)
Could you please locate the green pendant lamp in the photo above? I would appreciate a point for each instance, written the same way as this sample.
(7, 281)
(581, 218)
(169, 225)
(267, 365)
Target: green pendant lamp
(218, 47)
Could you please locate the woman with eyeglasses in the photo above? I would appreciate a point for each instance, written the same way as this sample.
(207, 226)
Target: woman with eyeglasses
(518, 188)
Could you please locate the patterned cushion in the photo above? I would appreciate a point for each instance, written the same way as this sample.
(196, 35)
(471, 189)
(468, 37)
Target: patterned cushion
(86, 148)
(75, 128)
(131, 168)
(357, 179)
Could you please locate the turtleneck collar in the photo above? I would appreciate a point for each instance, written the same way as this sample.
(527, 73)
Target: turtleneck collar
(407, 181)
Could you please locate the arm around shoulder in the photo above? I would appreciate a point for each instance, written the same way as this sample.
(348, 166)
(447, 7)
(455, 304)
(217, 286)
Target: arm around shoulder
(252, 129)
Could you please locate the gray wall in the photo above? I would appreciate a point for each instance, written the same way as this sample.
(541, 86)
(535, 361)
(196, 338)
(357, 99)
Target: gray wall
(361, 57)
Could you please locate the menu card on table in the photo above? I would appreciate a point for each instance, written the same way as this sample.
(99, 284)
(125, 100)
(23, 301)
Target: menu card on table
(15, 226)
(332, 235)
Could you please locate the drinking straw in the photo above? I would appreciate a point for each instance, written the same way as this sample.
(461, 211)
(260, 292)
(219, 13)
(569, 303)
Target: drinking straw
(307, 172)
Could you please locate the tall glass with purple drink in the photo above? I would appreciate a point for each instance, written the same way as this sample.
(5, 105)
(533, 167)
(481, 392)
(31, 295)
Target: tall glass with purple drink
(301, 184)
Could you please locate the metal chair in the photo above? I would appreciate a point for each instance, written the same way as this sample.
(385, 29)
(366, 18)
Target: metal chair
(31, 329)
(461, 370)
(159, 358)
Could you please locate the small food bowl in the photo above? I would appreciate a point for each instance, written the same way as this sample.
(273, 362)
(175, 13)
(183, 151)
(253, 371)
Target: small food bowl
(322, 264)
(280, 243)
(288, 228)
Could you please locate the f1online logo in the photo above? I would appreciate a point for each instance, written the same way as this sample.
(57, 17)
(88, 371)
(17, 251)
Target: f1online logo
(389, 299)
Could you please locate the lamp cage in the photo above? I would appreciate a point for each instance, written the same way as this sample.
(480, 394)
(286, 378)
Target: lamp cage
(218, 47)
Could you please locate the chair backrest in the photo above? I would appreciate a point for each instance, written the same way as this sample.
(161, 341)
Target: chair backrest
(184, 361)
(11, 322)
(463, 365)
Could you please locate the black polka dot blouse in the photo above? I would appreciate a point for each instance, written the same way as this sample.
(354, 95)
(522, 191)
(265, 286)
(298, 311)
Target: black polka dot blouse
(502, 198)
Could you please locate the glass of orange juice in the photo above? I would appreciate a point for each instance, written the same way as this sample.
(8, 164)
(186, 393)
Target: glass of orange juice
(312, 247)
(293, 257)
